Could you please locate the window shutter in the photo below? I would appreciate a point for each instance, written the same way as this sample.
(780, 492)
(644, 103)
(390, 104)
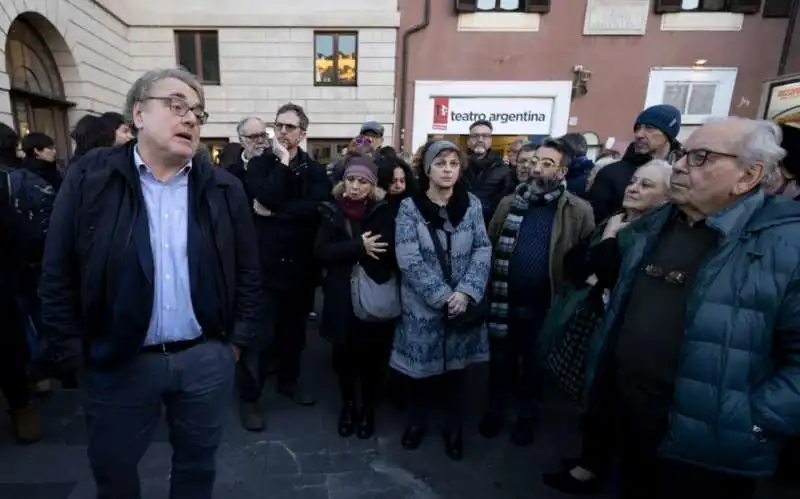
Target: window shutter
(668, 6)
(746, 6)
(536, 6)
(463, 6)
(777, 8)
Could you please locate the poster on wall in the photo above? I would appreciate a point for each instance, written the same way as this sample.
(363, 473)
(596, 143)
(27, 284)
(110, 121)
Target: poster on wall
(508, 115)
(783, 101)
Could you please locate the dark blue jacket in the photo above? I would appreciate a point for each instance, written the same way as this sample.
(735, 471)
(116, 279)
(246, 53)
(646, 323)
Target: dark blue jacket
(578, 174)
(737, 388)
(97, 275)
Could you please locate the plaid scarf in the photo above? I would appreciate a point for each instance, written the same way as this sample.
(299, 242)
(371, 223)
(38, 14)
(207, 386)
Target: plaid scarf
(524, 197)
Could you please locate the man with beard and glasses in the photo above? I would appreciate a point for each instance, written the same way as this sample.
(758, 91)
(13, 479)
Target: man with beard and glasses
(655, 137)
(487, 175)
(531, 232)
(254, 140)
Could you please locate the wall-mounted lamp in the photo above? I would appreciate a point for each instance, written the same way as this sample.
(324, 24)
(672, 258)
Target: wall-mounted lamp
(580, 79)
(699, 64)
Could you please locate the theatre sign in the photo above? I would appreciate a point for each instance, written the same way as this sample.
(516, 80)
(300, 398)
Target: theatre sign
(508, 115)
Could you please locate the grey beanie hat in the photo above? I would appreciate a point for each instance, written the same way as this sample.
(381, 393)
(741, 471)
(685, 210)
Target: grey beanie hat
(434, 150)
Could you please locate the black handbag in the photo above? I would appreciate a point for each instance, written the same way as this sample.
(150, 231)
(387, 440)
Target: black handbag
(476, 313)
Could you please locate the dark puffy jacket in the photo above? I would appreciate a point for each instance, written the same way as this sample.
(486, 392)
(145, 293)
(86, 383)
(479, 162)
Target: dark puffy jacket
(11, 239)
(737, 388)
(578, 174)
(488, 178)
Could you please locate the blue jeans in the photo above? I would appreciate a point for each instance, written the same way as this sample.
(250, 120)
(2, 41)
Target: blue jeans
(124, 406)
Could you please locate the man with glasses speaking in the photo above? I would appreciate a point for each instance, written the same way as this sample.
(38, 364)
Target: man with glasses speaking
(286, 187)
(151, 281)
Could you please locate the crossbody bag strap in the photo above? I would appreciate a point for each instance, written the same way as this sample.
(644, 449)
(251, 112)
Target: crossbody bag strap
(441, 255)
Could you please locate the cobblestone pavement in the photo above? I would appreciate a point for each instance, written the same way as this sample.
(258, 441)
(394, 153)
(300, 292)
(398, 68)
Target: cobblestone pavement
(301, 457)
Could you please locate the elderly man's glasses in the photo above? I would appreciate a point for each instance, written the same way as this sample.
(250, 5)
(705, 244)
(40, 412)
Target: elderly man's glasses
(180, 107)
(256, 137)
(699, 157)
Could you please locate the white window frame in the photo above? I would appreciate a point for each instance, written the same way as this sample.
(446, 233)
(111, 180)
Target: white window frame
(725, 78)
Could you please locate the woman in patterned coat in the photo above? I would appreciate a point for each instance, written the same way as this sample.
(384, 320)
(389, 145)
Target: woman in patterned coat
(424, 347)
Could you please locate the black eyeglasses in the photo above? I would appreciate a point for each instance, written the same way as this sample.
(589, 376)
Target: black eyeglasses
(255, 137)
(699, 157)
(676, 277)
(180, 107)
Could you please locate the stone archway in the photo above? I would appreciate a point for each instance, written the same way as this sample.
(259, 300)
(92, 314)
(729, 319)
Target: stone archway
(42, 74)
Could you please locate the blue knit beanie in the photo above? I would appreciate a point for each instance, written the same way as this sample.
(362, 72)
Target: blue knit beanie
(662, 116)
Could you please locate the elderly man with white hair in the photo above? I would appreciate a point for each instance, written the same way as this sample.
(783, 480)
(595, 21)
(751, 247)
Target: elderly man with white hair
(700, 347)
(151, 281)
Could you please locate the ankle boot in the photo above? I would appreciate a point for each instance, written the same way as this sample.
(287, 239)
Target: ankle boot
(26, 424)
(347, 419)
(412, 437)
(453, 445)
(366, 424)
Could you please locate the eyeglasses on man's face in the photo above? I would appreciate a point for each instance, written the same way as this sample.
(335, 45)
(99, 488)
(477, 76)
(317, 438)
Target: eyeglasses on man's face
(698, 157)
(181, 108)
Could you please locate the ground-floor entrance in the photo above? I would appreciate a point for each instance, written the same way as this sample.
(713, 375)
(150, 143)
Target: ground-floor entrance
(34, 113)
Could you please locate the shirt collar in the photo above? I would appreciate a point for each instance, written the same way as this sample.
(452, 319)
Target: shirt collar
(244, 160)
(142, 167)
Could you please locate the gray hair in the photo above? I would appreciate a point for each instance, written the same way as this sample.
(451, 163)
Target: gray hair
(762, 143)
(243, 122)
(661, 164)
(140, 90)
(519, 143)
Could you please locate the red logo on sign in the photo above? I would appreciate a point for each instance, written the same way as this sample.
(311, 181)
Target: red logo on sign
(441, 112)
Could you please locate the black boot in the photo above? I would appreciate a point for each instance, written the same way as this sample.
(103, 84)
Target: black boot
(412, 437)
(366, 423)
(453, 445)
(347, 419)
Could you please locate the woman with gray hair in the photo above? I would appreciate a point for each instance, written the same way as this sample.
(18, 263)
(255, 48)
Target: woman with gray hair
(444, 255)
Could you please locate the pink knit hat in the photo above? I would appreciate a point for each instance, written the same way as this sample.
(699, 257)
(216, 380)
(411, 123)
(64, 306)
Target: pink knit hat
(364, 167)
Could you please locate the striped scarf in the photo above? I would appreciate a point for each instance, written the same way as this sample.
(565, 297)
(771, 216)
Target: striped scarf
(524, 197)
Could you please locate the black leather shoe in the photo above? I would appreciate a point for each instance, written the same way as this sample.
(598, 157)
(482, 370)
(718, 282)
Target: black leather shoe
(347, 420)
(412, 437)
(453, 445)
(563, 481)
(366, 424)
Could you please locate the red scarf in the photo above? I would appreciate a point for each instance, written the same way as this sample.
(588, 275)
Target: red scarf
(352, 210)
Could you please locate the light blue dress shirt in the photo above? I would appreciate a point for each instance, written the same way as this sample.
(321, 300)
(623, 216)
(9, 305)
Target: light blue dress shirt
(167, 203)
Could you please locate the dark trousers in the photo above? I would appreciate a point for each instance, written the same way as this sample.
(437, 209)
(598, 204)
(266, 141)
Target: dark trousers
(643, 421)
(31, 307)
(424, 393)
(362, 359)
(515, 355)
(286, 315)
(13, 356)
(597, 425)
(123, 408)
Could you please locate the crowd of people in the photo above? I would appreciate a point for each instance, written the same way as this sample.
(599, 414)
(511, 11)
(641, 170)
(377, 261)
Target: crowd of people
(659, 288)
